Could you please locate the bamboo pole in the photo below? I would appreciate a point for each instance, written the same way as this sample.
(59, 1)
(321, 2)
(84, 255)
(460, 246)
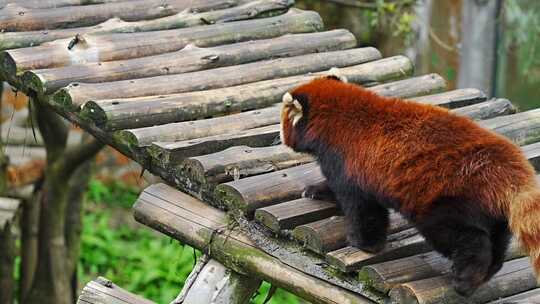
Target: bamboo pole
(53, 3)
(186, 18)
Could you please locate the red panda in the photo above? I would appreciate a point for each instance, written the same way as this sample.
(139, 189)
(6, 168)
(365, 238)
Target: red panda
(465, 188)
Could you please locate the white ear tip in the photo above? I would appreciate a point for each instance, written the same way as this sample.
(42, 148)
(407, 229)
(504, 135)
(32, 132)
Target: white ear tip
(287, 98)
(337, 73)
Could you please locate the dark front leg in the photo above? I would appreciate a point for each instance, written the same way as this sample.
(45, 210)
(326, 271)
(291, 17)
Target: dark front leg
(320, 191)
(367, 219)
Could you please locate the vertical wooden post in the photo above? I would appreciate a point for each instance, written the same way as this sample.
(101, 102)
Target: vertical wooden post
(477, 61)
(211, 282)
(8, 211)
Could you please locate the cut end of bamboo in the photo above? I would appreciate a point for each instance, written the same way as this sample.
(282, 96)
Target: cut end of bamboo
(64, 99)
(93, 112)
(34, 82)
(232, 199)
(126, 139)
(403, 294)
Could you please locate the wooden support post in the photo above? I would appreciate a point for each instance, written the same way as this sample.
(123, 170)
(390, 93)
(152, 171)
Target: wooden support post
(212, 283)
(8, 212)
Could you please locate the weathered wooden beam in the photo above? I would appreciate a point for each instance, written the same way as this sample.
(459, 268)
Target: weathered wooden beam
(532, 152)
(202, 128)
(216, 284)
(290, 214)
(488, 109)
(453, 99)
(17, 18)
(77, 94)
(400, 244)
(384, 276)
(252, 193)
(167, 154)
(14, 135)
(515, 276)
(118, 46)
(103, 291)
(195, 223)
(322, 236)
(53, 3)
(421, 85)
(200, 174)
(528, 297)
(147, 111)
(522, 128)
(186, 18)
(192, 58)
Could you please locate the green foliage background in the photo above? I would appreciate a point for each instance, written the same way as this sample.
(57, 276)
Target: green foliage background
(133, 256)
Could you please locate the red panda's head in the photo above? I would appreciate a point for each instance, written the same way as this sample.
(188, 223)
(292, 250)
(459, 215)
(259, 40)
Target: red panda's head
(299, 103)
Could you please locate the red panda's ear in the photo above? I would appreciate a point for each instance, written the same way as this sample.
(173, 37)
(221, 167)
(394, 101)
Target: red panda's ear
(293, 108)
(336, 74)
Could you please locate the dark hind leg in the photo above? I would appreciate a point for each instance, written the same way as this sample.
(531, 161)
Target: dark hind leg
(500, 238)
(368, 221)
(461, 234)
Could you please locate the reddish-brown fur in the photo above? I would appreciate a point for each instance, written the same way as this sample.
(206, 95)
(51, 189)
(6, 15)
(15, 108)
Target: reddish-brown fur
(417, 153)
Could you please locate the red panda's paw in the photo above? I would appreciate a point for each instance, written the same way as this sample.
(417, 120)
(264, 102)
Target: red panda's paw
(468, 280)
(369, 247)
(319, 192)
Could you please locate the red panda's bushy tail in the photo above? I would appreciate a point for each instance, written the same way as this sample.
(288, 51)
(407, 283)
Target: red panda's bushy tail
(524, 222)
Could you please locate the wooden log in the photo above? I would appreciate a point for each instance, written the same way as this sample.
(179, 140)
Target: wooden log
(53, 3)
(514, 277)
(218, 285)
(291, 214)
(384, 276)
(201, 174)
(195, 223)
(400, 244)
(17, 18)
(118, 46)
(192, 58)
(422, 85)
(322, 236)
(8, 211)
(532, 152)
(122, 113)
(167, 154)
(103, 291)
(249, 194)
(488, 109)
(531, 296)
(203, 128)
(186, 18)
(453, 99)
(77, 94)
(521, 128)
